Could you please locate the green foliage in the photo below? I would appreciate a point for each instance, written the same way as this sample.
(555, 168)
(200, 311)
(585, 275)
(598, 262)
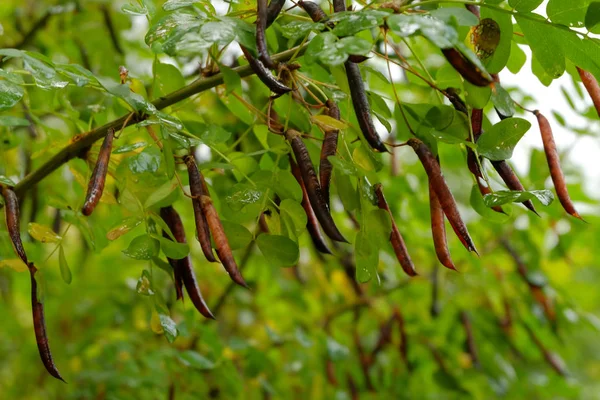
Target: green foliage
(307, 330)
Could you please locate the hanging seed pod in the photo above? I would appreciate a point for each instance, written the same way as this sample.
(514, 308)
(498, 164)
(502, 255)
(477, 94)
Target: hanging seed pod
(202, 228)
(39, 326)
(11, 206)
(273, 10)
(592, 87)
(558, 178)
(329, 148)
(98, 179)
(312, 224)
(438, 231)
(264, 74)
(222, 244)
(314, 11)
(362, 107)
(469, 71)
(183, 269)
(395, 237)
(309, 177)
(261, 39)
(443, 193)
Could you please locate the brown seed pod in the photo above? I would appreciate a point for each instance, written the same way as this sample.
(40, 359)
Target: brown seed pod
(438, 231)
(512, 180)
(592, 87)
(443, 193)
(273, 10)
(469, 71)
(362, 107)
(339, 5)
(309, 177)
(312, 223)
(329, 148)
(558, 178)
(39, 326)
(261, 39)
(11, 205)
(264, 74)
(314, 11)
(98, 179)
(196, 188)
(183, 269)
(218, 233)
(395, 237)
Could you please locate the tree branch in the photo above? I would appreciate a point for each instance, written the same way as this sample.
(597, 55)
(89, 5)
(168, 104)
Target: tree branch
(87, 139)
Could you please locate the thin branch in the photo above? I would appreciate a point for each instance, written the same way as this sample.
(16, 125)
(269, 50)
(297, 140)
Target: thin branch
(87, 139)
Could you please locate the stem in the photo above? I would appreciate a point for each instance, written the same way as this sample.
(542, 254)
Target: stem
(87, 139)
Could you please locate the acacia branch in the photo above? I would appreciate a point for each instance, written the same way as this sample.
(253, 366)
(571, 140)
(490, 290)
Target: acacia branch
(85, 140)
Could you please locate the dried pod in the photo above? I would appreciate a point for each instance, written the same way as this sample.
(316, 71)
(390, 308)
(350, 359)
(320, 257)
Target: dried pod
(443, 193)
(438, 231)
(362, 107)
(558, 178)
(264, 74)
(273, 10)
(98, 179)
(261, 39)
(312, 223)
(314, 11)
(39, 326)
(222, 244)
(592, 87)
(395, 237)
(469, 71)
(11, 205)
(309, 177)
(329, 148)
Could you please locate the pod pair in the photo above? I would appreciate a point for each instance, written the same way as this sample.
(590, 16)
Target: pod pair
(183, 270)
(11, 206)
(208, 223)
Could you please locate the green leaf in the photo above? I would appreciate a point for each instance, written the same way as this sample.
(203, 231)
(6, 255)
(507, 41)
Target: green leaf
(65, 272)
(173, 250)
(147, 161)
(172, 5)
(9, 120)
(507, 196)
(143, 247)
(570, 13)
(299, 29)
(502, 101)
(10, 94)
(336, 351)
(348, 23)
(502, 54)
(366, 257)
(477, 96)
(460, 14)
(544, 42)
(294, 216)
(592, 17)
(167, 79)
(232, 80)
(166, 34)
(129, 147)
(525, 5)
(280, 251)
(439, 33)
(195, 360)
(169, 327)
(144, 284)
(243, 194)
(499, 142)
(476, 201)
(238, 235)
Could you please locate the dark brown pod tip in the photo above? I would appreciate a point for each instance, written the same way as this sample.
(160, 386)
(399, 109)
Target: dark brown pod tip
(469, 71)
(313, 188)
(11, 209)
(362, 108)
(264, 74)
(556, 173)
(39, 326)
(223, 249)
(261, 39)
(442, 191)
(314, 11)
(395, 237)
(273, 10)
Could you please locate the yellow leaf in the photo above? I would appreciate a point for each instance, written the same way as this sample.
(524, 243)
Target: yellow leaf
(108, 198)
(328, 123)
(17, 264)
(155, 323)
(43, 233)
(78, 177)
